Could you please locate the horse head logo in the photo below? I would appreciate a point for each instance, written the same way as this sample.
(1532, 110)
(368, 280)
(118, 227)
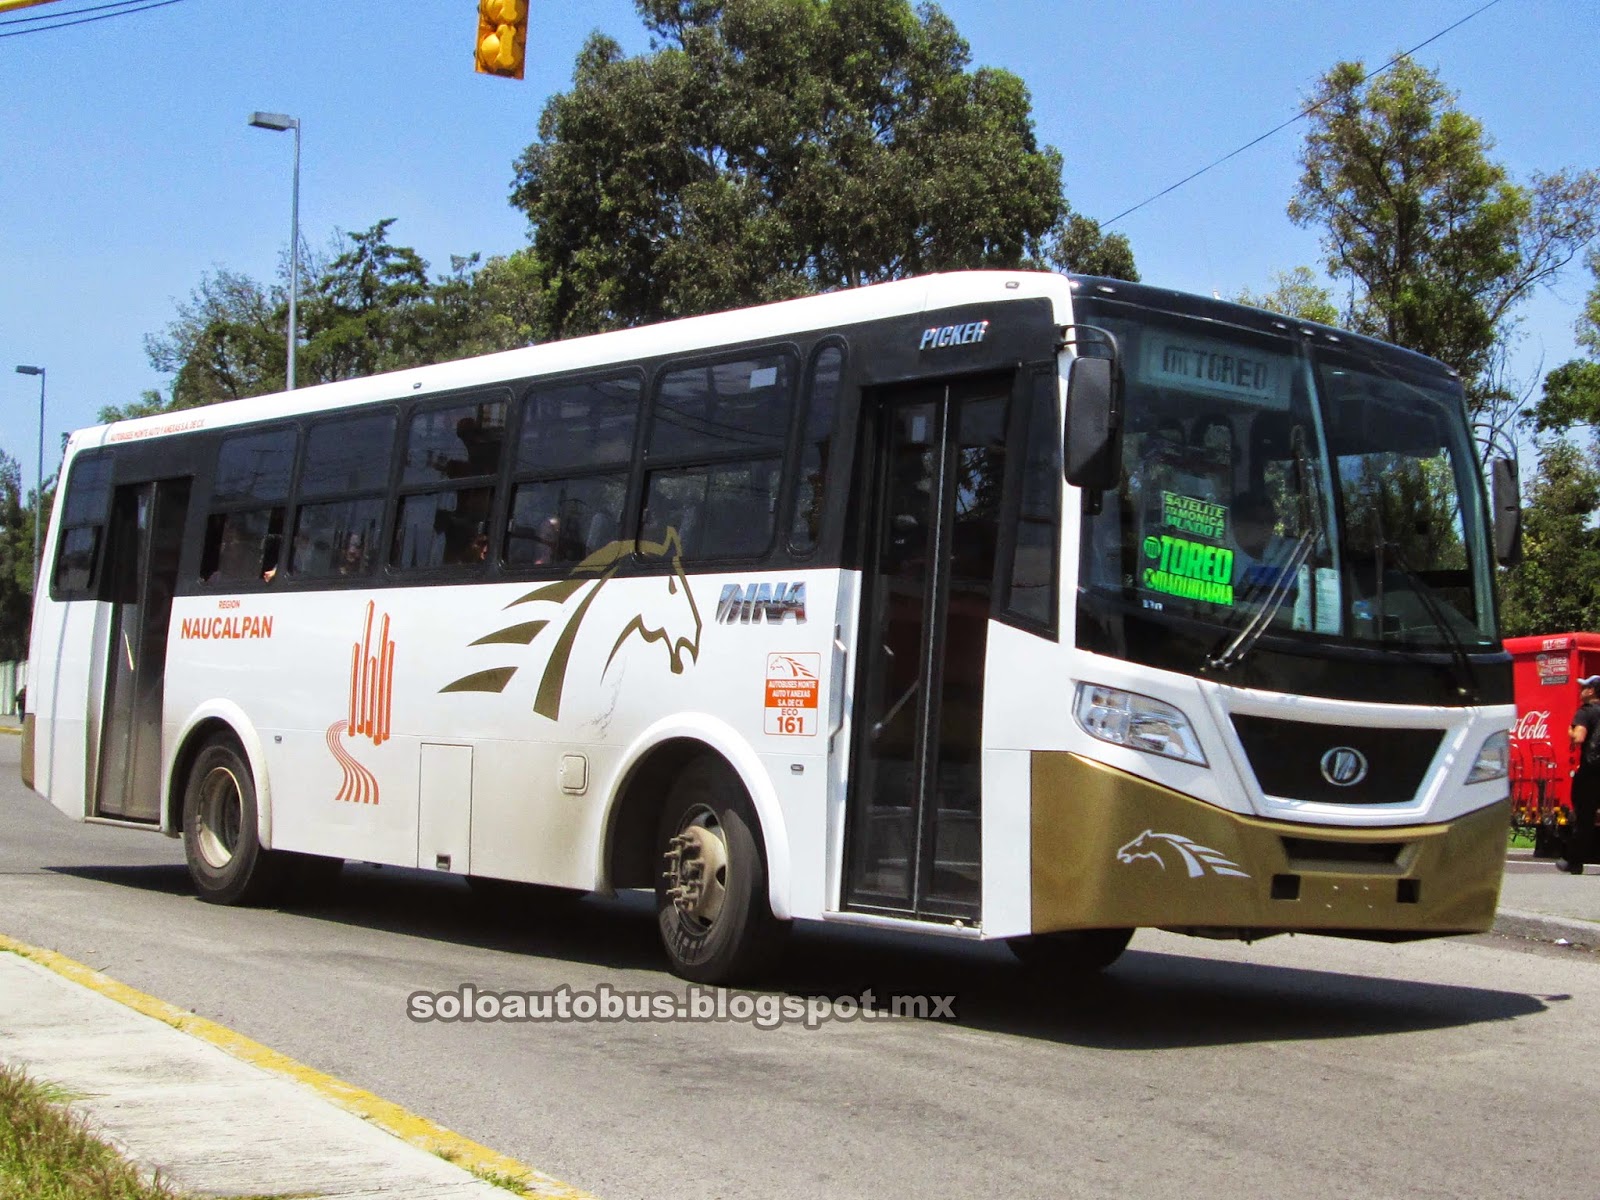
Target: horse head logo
(674, 621)
(1197, 859)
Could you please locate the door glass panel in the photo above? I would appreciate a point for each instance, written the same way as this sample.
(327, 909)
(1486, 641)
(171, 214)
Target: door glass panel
(893, 636)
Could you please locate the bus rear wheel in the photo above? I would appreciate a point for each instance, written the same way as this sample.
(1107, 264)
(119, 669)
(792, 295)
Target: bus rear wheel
(226, 859)
(711, 892)
(1071, 951)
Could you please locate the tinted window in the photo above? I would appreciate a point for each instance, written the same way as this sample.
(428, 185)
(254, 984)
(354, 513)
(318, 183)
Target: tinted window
(461, 442)
(811, 486)
(442, 529)
(348, 456)
(242, 547)
(255, 467)
(580, 424)
(88, 491)
(1033, 565)
(723, 407)
(564, 520)
(723, 511)
(337, 538)
(75, 563)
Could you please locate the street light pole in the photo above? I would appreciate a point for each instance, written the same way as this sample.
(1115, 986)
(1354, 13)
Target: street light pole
(38, 497)
(281, 122)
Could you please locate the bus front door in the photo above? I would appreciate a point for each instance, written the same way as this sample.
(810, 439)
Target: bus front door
(913, 838)
(145, 539)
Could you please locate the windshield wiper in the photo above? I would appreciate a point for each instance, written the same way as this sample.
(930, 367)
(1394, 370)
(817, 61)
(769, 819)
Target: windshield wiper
(1310, 497)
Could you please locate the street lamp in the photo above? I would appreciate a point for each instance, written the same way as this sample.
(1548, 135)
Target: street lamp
(279, 123)
(38, 498)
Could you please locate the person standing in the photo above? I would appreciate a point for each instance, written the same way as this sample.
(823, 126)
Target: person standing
(1585, 735)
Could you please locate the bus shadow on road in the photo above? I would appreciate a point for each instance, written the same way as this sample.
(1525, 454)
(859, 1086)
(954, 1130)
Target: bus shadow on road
(1150, 999)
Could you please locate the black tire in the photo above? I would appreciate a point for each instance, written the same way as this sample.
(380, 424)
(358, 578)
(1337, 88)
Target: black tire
(226, 859)
(716, 924)
(1071, 952)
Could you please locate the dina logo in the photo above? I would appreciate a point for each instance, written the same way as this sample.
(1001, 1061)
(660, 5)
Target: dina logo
(1196, 859)
(674, 622)
(371, 700)
(757, 602)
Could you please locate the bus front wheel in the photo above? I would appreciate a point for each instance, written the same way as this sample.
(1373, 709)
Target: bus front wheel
(711, 887)
(1071, 951)
(226, 859)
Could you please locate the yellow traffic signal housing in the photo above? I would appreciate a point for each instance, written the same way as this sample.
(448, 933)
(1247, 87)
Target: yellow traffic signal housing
(502, 37)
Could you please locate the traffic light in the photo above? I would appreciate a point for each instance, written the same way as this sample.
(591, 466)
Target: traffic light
(502, 37)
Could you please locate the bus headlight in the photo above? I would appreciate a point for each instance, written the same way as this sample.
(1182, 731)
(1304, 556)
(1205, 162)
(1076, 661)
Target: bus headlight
(1129, 719)
(1493, 761)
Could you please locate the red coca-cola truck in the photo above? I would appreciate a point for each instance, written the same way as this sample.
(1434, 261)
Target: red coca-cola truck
(1545, 672)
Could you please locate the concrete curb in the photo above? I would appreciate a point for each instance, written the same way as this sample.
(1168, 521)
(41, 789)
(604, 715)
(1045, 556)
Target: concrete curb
(1543, 927)
(405, 1126)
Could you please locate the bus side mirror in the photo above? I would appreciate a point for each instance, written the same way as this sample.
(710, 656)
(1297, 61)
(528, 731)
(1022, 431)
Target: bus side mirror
(1091, 454)
(1506, 499)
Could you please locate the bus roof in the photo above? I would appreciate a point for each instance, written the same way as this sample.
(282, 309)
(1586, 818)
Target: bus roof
(784, 318)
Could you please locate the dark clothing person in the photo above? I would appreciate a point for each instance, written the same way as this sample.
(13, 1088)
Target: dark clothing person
(1586, 782)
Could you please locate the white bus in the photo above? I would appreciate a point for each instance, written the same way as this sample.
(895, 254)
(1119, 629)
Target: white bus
(989, 605)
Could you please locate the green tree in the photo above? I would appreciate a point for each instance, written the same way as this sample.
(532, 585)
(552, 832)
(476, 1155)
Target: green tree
(1297, 295)
(770, 148)
(1572, 391)
(367, 306)
(1441, 245)
(1557, 585)
(16, 559)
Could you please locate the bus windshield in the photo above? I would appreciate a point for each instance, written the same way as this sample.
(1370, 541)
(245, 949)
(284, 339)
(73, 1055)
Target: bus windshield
(1319, 491)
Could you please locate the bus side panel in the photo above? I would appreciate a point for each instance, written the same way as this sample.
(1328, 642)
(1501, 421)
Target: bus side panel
(66, 694)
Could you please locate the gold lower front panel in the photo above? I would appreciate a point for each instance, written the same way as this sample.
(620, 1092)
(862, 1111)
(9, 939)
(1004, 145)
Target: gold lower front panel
(1111, 850)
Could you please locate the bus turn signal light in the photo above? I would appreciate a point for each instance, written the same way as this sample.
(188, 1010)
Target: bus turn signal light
(502, 37)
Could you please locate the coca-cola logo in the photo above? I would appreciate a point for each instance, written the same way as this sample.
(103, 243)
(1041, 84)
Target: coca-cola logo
(1532, 726)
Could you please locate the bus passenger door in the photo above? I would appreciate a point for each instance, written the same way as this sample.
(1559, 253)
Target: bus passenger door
(145, 539)
(913, 839)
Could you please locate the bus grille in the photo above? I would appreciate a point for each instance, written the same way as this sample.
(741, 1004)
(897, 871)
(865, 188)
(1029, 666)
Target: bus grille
(1337, 764)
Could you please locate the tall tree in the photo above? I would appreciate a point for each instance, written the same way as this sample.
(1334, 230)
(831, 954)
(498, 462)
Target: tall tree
(1442, 246)
(1572, 391)
(1297, 294)
(369, 305)
(16, 560)
(769, 148)
(1557, 585)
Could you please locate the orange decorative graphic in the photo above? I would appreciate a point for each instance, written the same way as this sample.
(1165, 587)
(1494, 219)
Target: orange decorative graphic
(371, 682)
(370, 705)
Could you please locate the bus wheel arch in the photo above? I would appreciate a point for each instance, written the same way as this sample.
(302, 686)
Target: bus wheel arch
(213, 721)
(221, 842)
(632, 824)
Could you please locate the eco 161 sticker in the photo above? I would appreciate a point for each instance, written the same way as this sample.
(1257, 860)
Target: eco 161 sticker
(792, 685)
(1198, 517)
(1189, 570)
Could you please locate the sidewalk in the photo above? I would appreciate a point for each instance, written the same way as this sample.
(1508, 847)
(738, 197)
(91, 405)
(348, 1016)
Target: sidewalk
(1540, 902)
(215, 1124)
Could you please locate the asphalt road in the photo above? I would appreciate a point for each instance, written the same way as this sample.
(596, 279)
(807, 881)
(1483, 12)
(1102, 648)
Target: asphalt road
(1297, 1066)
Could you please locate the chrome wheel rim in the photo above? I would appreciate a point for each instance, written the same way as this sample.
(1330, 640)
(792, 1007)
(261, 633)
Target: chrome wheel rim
(696, 862)
(221, 817)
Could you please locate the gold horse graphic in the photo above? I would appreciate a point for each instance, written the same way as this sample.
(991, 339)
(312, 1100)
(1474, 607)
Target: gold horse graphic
(593, 573)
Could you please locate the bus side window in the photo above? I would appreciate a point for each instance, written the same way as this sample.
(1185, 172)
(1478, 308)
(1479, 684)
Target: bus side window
(83, 519)
(715, 454)
(244, 530)
(573, 455)
(344, 478)
(811, 484)
(452, 459)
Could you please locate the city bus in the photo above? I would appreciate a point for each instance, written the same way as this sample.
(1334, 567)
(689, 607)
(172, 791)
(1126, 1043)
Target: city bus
(985, 605)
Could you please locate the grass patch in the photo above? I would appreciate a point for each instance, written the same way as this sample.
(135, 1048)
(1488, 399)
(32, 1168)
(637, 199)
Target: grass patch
(516, 1184)
(48, 1153)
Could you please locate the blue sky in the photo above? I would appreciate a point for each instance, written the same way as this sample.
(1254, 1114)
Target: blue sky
(127, 169)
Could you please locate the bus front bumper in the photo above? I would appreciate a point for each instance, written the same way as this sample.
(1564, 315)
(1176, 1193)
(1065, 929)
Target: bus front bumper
(1111, 850)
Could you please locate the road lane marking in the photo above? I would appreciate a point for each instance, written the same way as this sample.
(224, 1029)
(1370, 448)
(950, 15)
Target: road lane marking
(385, 1114)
